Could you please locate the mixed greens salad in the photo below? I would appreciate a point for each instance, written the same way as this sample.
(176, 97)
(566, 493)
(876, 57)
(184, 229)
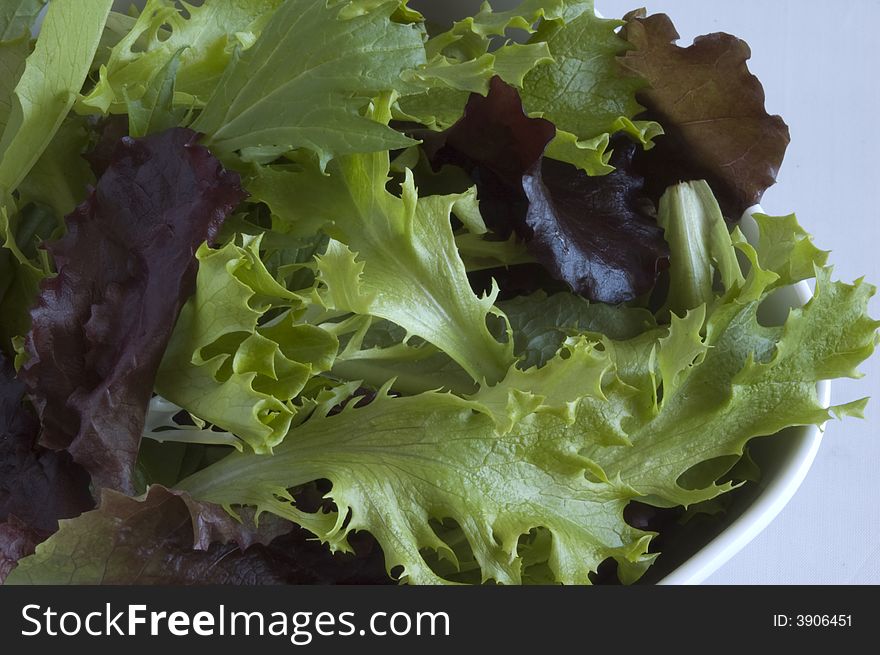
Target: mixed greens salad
(315, 291)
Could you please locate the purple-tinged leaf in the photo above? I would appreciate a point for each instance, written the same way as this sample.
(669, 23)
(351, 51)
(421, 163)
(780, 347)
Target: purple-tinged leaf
(712, 110)
(37, 486)
(154, 540)
(125, 268)
(595, 233)
(496, 143)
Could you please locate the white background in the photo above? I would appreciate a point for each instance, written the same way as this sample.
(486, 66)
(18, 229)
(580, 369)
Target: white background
(818, 62)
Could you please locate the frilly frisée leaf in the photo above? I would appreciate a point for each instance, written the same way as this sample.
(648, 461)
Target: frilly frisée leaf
(227, 370)
(439, 456)
(125, 268)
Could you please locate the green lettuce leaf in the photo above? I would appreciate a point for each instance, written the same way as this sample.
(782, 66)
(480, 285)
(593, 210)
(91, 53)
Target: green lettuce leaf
(699, 244)
(203, 40)
(569, 49)
(154, 111)
(540, 323)
(61, 176)
(464, 58)
(394, 257)
(13, 54)
(306, 80)
(585, 93)
(433, 456)
(22, 267)
(785, 248)
(377, 352)
(227, 366)
(746, 381)
(53, 75)
(562, 448)
(17, 17)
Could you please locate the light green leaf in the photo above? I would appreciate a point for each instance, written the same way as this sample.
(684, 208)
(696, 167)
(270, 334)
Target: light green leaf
(433, 456)
(585, 93)
(374, 352)
(204, 41)
(681, 349)
(395, 257)
(54, 73)
(752, 381)
(61, 176)
(785, 248)
(225, 369)
(154, 111)
(699, 244)
(307, 79)
(529, 454)
(464, 58)
(480, 254)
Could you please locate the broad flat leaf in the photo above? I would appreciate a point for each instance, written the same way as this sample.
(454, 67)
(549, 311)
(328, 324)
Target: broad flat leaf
(53, 75)
(17, 17)
(37, 486)
(225, 369)
(306, 80)
(12, 57)
(585, 93)
(61, 176)
(712, 111)
(125, 268)
(433, 456)
(595, 233)
(203, 39)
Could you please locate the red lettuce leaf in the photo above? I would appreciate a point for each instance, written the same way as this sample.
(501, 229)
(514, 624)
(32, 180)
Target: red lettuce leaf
(155, 540)
(595, 233)
(496, 143)
(37, 486)
(125, 268)
(712, 110)
(17, 541)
